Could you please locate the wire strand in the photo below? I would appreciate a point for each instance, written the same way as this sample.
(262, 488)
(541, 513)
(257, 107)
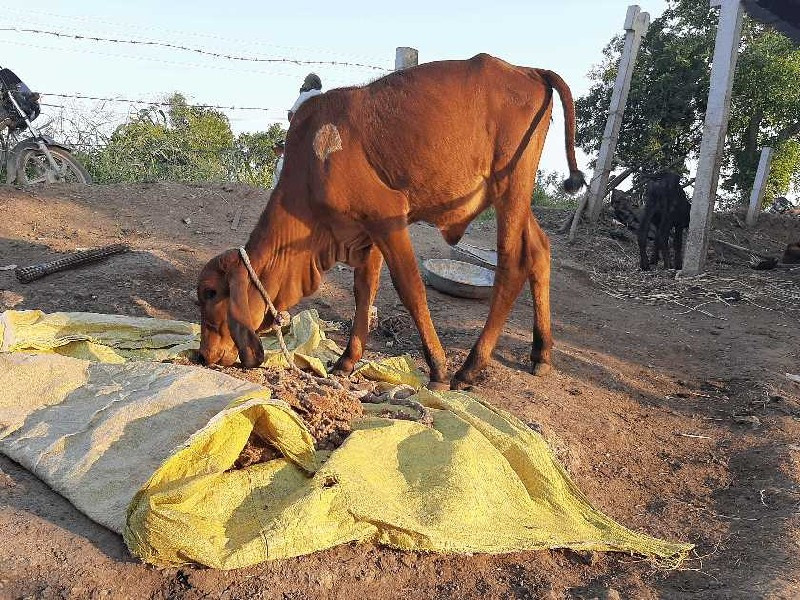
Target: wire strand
(154, 103)
(150, 59)
(263, 70)
(222, 55)
(33, 14)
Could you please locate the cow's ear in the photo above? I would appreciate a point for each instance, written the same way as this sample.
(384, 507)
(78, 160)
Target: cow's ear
(251, 352)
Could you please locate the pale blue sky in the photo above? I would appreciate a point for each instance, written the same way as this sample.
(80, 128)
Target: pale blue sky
(565, 36)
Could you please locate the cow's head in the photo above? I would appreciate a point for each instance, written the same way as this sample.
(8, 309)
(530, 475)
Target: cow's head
(228, 319)
(620, 198)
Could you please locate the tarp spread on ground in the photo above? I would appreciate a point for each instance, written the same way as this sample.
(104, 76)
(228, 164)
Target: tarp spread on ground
(117, 338)
(147, 449)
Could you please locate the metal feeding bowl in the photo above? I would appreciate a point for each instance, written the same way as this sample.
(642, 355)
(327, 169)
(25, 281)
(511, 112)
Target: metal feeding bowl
(458, 278)
(483, 257)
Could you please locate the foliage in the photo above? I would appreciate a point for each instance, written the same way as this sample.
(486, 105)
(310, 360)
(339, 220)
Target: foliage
(783, 170)
(765, 111)
(255, 160)
(488, 215)
(183, 143)
(549, 191)
(663, 120)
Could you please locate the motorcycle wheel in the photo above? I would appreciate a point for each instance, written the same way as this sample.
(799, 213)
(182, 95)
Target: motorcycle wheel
(33, 167)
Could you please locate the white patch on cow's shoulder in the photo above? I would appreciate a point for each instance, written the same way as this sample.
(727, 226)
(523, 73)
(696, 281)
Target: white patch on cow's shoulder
(327, 141)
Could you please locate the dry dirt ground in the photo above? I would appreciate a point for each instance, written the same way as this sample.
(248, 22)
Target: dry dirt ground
(675, 417)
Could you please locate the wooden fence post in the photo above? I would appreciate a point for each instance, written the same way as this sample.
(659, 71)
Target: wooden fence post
(726, 47)
(405, 57)
(759, 186)
(636, 24)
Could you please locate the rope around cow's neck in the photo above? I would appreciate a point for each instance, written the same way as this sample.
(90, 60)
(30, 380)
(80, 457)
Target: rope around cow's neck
(279, 319)
(257, 282)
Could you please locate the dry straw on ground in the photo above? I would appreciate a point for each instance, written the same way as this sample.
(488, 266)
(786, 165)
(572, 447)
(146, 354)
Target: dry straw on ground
(610, 256)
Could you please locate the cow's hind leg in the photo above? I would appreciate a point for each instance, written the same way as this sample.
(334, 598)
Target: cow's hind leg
(395, 245)
(662, 240)
(512, 269)
(365, 286)
(656, 251)
(539, 278)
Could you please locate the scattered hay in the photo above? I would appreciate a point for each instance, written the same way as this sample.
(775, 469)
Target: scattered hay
(610, 255)
(394, 325)
(766, 291)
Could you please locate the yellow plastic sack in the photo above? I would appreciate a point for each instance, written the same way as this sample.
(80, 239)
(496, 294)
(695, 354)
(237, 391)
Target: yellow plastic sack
(117, 338)
(478, 480)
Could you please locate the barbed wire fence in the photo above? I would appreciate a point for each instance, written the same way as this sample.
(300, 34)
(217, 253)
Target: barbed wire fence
(111, 156)
(171, 46)
(123, 29)
(87, 121)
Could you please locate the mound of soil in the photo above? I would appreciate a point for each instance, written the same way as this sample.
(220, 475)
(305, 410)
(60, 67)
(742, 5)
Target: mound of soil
(256, 451)
(326, 410)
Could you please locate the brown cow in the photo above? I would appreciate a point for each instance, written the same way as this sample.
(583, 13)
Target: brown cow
(438, 143)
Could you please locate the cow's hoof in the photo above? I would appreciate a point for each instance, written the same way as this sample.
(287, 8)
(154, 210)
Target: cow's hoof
(437, 386)
(344, 367)
(541, 369)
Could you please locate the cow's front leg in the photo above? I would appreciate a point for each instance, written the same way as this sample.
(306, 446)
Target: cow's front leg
(662, 240)
(365, 286)
(395, 245)
(677, 241)
(515, 257)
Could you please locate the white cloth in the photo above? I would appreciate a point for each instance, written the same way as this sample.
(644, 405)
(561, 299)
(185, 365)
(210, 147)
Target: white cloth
(278, 168)
(302, 98)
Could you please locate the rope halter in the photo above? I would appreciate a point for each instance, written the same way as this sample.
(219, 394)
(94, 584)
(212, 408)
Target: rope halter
(280, 319)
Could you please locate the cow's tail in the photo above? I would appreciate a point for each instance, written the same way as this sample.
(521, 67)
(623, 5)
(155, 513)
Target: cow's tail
(576, 179)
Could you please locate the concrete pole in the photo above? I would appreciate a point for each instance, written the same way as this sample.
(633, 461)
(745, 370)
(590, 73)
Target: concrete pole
(405, 57)
(729, 34)
(636, 24)
(757, 195)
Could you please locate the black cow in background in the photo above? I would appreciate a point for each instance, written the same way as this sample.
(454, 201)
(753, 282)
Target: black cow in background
(626, 210)
(667, 207)
(791, 256)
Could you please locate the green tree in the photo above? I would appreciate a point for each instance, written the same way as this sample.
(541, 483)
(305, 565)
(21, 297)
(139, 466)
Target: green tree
(204, 139)
(669, 90)
(184, 143)
(255, 158)
(549, 191)
(765, 111)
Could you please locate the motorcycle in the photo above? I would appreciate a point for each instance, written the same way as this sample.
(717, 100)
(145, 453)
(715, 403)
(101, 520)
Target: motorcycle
(38, 158)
